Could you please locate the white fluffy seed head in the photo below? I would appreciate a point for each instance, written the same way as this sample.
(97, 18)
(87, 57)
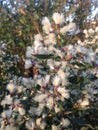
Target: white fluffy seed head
(46, 25)
(64, 93)
(54, 127)
(91, 31)
(20, 89)
(63, 76)
(3, 115)
(52, 38)
(56, 80)
(71, 27)
(83, 103)
(38, 121)
(65, 122)
(45, 21)
(63, 30)
(58, 18)
(50, 102)
(30, 124)
(85, 31)
(28, 64)
(21, 111)
(11, 87)
(40, 97)
(47, 79)
(92, 56)
(57, 109)
(29, 52)
(38, 37)
(42, 125)
(11, 127)
(96, 29)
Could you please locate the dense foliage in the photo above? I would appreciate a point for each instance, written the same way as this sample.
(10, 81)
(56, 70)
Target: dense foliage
(48, 66)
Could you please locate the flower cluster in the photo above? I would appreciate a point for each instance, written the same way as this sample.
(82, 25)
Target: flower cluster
(60, 77)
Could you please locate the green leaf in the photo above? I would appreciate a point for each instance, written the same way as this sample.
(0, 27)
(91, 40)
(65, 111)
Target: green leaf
(6, 58)
(58, 58)
(84, 128)
(90, 126)
(73, 79)
(82, 66)
(80, 121)
(96, 127)
(38, 87)
(21, 44)
(12, 68)
(42, 56)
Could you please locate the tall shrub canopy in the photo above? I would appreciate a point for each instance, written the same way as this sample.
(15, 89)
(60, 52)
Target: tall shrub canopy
(48, 65)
